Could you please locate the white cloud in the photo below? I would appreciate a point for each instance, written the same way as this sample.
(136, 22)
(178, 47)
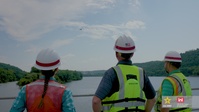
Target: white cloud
(26, 20)
(134, 25)
(135, 3)
(58, 43)
(107, 30)
(101, 4)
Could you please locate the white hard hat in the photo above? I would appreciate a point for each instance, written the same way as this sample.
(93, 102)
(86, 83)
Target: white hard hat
(172, 56)
(124, 44)
(47, 59)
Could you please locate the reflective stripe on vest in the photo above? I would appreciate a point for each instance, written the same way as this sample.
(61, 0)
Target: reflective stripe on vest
(129, 104)
(119, 100)
(124, 104)
(52, 99)
(176, 85)
(174, 79)
(181, 84)
(121, 81)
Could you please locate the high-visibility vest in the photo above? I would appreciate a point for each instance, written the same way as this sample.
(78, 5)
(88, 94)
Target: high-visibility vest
(130, 95)
(52, 101)
(185, 91)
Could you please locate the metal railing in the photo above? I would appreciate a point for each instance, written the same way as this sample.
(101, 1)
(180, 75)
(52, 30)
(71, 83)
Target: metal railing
(81, 95)
(14, 97)
(87, 95)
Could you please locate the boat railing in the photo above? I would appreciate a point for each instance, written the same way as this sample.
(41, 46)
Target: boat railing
(87, 95)
(80, 95)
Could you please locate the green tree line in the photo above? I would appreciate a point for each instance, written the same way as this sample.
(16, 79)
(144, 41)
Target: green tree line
(190, 66)
(10, 73)
(62, 76)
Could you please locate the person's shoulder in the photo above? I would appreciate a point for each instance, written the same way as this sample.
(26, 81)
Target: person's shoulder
(140, 68)
(60, 85)
(23, 87)
(109, 73)
(110, 70)
(167, 81)
(67, 91)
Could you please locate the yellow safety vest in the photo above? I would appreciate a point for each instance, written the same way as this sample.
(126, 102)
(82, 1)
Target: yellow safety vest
(130, 95)
(186, 91)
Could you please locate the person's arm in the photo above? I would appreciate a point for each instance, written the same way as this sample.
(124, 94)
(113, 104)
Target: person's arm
(67, 102)
(103, 89)
(167, 90)
(164, 109)
(19, 104)
(96, 104)
(149, 104)
(149, 93)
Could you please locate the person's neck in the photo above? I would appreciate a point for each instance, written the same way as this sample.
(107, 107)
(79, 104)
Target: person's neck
(172, 69)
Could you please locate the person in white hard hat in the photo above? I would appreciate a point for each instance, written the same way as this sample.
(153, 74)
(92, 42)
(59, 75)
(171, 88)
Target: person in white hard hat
(175, 84)
(45, 94)
(124, 87)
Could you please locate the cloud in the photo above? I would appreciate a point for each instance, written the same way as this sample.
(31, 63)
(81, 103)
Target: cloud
(107, 30)
(27, 20)
(135, 3)
(101, 4)
(58, 43)
(135, 25)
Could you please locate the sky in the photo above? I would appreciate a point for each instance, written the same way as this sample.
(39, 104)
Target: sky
(83, 32)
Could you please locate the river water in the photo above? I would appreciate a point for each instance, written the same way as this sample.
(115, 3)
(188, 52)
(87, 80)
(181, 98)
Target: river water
(87, 85)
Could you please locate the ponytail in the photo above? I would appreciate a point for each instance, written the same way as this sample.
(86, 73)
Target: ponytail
(47, 74)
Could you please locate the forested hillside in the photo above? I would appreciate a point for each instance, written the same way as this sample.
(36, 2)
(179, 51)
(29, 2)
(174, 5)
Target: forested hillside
(62, 76)
(190, 65)
(153, 68)
(10, 73)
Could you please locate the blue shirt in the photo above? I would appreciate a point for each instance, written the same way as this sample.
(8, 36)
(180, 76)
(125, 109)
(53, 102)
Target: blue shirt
(19, 104)
(109, 83)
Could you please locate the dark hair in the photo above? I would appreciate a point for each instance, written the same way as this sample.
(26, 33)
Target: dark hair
(126, 56)
(48, 74)
(176, 64)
